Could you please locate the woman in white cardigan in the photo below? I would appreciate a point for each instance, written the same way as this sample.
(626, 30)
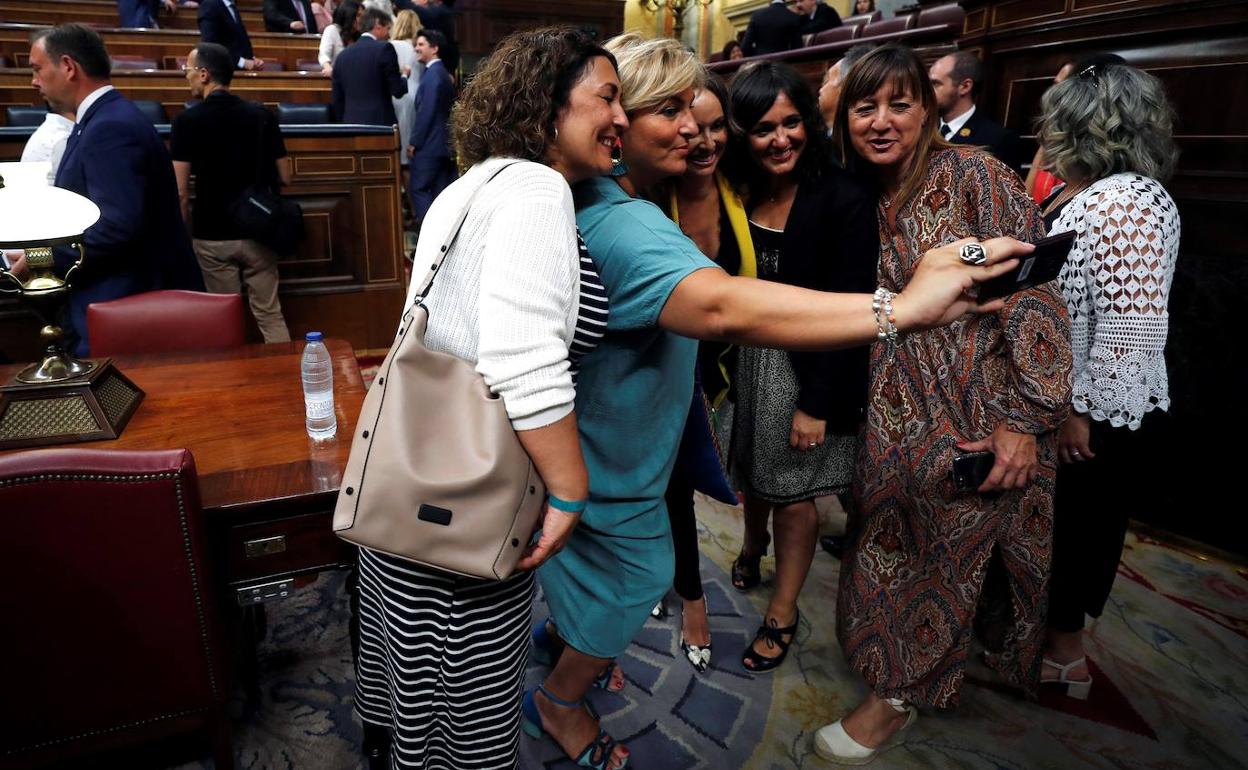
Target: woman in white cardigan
(1106, 129)
(338, 35)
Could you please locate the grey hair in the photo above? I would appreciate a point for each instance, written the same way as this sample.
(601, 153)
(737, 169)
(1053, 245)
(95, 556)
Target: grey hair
(1111, 120)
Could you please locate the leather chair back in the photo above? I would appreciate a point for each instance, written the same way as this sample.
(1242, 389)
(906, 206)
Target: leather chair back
(131, 62)
(152, 110)
(304, 114)
(113, 636)
(161, 321)
(863, 18)
(836, 35)
(895, 24)
(308, 65)
(950, 16)
(25, 116)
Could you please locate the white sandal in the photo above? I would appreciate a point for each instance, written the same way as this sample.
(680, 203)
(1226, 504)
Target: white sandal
(1075, 688)
(834, 744)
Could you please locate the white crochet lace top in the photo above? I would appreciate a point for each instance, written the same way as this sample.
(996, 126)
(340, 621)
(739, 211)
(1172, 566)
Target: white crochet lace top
(1117, 285)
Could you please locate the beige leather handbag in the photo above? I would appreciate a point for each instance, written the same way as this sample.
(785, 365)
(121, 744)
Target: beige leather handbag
(436, 474)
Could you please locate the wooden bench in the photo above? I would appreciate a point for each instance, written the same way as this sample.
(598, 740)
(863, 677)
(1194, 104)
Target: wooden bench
(347, 278)
(171, 90)
(164, 45)
(103, 13)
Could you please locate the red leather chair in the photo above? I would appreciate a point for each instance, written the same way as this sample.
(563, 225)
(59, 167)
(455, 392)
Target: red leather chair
(837, 34)
(112, 636)
(307, 65)
(949, 16)
(888, 26)
(863, 18)
(132, 62)
(160, 321)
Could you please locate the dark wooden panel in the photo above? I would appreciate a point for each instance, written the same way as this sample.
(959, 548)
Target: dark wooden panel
(101, 13)
(1015, 12)
(481, 24)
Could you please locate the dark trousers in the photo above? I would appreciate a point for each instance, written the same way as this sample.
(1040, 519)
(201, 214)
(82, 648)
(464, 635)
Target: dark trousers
(679, 499)
(1094, 500)
(426, 178)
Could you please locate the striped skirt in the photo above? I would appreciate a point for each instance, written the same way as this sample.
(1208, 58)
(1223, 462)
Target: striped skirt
(441, 663)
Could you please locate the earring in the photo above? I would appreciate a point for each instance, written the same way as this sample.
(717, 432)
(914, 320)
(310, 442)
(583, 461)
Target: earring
(618, 167)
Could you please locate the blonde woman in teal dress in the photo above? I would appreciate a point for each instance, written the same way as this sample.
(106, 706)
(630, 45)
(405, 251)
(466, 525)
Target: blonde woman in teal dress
(634, 389)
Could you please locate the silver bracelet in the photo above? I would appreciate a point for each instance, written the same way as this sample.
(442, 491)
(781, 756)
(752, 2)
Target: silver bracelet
(885, 321)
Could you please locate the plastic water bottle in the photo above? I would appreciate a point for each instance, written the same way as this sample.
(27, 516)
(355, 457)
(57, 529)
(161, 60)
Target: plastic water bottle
(318, 389)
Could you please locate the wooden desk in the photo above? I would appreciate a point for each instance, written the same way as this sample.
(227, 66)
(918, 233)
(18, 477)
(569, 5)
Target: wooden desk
(268, 491)
(103, 13)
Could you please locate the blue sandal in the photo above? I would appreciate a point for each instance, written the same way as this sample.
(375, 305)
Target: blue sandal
(544, 654)
(597, 753)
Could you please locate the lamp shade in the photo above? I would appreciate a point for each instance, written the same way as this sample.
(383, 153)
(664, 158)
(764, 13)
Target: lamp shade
(33, 214)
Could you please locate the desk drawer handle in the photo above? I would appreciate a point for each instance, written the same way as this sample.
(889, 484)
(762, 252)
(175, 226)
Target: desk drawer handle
(265, 546)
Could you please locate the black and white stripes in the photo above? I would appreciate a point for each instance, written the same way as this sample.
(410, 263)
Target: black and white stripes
(591, 319)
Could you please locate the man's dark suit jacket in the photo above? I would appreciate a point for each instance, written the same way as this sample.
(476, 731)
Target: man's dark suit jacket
(430, 134)
(216, 25)
(826, 17)
(1000, 141)
(366, 75)
(138, 13)
(278, 14)
(771, 30)
(831, 242)
(115, 157)
(441, 18)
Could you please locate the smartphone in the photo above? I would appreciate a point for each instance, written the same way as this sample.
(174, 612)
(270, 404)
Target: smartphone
(971, 469)
(1040, 266)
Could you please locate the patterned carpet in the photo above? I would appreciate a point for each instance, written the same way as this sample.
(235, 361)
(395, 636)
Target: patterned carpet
(1171, 658)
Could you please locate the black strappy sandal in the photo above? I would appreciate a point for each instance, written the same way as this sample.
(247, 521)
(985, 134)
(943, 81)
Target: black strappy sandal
(759, 664)
(746, 573)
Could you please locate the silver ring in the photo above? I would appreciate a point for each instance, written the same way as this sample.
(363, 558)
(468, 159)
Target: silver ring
(1075, 453)
(813, 444)
(973, 253)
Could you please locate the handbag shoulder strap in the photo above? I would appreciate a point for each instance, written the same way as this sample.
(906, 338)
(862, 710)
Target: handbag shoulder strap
(453, 233)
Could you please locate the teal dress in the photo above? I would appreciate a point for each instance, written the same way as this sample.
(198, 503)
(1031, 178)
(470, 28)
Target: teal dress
(632, 397)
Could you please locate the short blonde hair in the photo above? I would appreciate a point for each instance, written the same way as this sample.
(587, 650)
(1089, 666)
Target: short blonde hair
(406, 25)
(653, 70)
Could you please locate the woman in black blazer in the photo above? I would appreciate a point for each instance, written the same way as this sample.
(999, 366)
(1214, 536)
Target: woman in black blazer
(797, 414)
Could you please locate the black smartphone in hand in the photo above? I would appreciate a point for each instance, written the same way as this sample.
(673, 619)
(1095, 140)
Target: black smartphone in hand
(1040, 266)
(971, 470)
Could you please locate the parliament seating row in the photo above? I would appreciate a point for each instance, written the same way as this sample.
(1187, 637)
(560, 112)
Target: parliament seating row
(287, 114)
(931, 25)
(170, 90)
(103, 13)
(168, 48)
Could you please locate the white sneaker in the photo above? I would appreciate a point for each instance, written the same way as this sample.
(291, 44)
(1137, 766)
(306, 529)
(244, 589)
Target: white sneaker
(834, 744)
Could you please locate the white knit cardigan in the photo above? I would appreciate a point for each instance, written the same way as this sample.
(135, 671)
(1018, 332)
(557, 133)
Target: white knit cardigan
(507, 295)
(1117, 285)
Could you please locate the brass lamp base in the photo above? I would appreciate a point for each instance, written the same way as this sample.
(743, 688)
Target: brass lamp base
(89, 407)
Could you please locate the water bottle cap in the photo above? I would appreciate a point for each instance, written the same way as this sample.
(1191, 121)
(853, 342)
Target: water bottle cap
(313, 336)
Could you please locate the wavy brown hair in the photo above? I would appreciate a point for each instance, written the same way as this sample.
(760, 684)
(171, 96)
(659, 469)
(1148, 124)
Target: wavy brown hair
(509, 108)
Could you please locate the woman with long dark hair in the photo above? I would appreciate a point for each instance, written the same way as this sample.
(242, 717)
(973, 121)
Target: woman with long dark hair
(797, 414)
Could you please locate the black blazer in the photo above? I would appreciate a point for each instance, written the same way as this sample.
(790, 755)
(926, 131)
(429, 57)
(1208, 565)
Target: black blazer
(366, 75)
(832, 243)
(826, 17)
(278, 15)
(771, 30)
(1000, 141)
(216, 25)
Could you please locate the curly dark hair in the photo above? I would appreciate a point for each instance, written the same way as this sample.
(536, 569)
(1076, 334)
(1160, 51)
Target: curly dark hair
(509, 108)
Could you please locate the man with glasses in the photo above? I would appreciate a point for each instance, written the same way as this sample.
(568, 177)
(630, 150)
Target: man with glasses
(230, 145)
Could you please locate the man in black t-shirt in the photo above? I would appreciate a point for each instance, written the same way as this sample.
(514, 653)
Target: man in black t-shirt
(229, 145)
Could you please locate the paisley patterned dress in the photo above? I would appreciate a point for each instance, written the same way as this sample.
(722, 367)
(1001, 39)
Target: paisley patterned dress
(914, 571)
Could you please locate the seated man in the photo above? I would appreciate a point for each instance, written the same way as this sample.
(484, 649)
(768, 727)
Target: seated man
(115, 158)
(229, 145)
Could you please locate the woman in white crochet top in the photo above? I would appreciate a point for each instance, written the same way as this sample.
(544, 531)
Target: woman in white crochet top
(1107, 130)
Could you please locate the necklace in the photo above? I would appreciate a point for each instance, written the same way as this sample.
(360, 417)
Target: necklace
(1067, 193)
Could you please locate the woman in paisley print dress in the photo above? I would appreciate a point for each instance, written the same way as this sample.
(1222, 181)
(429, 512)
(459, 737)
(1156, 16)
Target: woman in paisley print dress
(919, 552)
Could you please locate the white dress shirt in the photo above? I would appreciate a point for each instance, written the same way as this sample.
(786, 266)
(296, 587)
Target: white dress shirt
(956, 124)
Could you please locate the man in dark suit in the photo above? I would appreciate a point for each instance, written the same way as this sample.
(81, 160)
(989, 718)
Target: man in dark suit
(431, 167)
(141, 14)
(366, 75)
(957, 79)
(116, 159)
(289, 16)
(816, 16)
(220, 23)
(435, 15)
(771, 30)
